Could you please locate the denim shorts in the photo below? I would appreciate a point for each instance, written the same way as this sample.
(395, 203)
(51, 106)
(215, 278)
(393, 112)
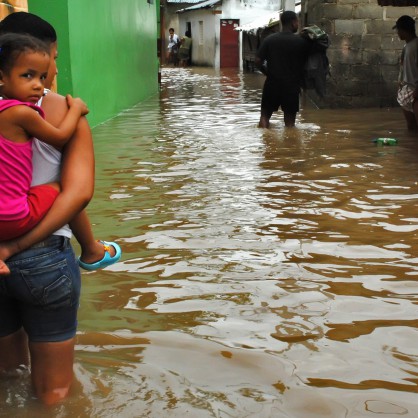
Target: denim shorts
(42, 293)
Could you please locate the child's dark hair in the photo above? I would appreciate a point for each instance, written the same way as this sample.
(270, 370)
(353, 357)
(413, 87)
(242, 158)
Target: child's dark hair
(14, 44)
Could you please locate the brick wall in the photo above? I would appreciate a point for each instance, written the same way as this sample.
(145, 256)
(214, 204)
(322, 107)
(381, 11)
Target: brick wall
(364, 51)
(10, 6)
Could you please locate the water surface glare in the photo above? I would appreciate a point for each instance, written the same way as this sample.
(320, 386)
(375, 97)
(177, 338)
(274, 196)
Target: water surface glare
(266, 273)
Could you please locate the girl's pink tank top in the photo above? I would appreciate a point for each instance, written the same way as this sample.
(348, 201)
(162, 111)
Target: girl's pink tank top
(15, 171)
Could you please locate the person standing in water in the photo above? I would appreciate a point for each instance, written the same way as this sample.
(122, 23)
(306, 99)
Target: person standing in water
(285, 54)
(185, 47)
(173, 47)
(408, 76)
(42, 332)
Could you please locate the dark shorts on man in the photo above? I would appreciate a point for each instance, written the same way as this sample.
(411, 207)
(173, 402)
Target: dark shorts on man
(279, 93)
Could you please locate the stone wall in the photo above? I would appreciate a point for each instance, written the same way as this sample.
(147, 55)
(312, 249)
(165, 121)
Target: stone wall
(364, 51)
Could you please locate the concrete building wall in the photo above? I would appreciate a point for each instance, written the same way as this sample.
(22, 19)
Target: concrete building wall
(364, 51)
(205, 34)
(107, 51)
(172, 20)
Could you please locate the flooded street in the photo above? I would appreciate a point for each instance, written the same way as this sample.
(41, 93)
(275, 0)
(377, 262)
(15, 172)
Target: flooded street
(266, 273)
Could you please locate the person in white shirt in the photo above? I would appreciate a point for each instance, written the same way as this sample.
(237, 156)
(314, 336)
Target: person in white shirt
(173, 47)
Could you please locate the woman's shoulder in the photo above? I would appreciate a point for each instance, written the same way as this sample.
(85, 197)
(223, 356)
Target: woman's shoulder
(51, 96)
(55, 107)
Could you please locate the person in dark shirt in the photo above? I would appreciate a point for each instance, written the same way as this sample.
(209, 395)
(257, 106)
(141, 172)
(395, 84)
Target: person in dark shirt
(285, 54)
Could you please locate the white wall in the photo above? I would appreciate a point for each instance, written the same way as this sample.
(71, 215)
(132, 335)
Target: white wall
(205, 53)
(246, 11)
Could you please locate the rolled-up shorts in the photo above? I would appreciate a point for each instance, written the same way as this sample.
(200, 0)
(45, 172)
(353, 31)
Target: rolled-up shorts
(42, 293)
(40, 200)
(280, 94)
(406, 98)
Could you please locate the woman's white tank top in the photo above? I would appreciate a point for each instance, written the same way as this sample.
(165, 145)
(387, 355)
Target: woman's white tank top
(46, 162)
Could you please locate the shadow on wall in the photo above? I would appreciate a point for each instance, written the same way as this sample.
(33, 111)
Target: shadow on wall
(10, 6)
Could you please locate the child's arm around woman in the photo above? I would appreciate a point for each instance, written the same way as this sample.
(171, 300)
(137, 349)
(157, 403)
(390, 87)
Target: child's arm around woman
(24, 64)
(36, 126)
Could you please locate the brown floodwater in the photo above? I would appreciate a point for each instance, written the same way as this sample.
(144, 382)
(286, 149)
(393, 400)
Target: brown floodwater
(265, 273)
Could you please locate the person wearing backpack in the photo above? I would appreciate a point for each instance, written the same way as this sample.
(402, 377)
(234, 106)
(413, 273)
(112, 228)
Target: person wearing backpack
(317, 67)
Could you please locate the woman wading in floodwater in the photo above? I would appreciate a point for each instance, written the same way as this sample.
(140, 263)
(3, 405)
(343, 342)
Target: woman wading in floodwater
(38, 326)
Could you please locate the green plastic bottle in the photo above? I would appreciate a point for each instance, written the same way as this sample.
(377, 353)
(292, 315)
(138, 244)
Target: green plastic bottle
(386, 141)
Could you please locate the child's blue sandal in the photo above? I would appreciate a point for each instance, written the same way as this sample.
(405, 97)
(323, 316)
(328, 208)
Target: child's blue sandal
(107, 259)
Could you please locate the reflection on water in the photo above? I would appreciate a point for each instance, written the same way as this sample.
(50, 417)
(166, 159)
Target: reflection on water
(266, 273)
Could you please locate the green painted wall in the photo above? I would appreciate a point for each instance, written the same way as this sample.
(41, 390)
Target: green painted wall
(107, 51)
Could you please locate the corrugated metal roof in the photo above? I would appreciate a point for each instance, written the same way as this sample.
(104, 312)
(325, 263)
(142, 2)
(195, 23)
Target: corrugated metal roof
(261, 22)
(203, 5)
(184, 1)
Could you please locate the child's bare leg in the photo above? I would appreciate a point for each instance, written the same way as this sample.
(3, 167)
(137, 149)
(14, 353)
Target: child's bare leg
(91, 250)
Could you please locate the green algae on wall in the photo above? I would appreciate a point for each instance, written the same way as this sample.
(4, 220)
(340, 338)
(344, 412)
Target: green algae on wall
(107, 51)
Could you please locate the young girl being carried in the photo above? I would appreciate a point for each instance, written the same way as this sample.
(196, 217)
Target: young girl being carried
(24, 63)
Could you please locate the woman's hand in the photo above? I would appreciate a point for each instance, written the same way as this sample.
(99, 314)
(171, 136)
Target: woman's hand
(7, 249)
(4, 270)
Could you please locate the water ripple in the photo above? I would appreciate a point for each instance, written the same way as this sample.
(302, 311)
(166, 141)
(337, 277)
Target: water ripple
(266, 273)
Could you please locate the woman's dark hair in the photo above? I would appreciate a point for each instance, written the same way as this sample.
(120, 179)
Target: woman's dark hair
(23, 22)
(14, 44)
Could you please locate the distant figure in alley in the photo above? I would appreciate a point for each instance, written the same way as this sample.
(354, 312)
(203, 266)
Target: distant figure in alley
(408, 74)
(173, 47)
(282, 57)
(185, 47)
